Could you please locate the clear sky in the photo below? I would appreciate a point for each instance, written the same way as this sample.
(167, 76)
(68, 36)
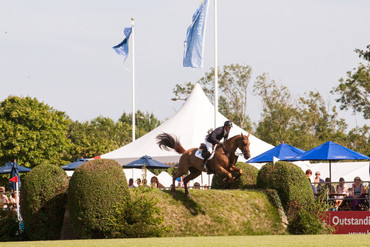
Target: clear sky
(61, 51)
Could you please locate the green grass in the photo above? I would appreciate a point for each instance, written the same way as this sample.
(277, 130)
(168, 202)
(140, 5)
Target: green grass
(267, 240)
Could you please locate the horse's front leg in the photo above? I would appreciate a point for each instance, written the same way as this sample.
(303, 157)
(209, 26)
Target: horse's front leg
(220, 170)
(240, 171)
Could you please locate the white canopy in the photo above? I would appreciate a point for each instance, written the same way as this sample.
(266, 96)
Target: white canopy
(190, 124)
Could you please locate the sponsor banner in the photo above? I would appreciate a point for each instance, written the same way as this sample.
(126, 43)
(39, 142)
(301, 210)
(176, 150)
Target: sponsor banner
(349, 222)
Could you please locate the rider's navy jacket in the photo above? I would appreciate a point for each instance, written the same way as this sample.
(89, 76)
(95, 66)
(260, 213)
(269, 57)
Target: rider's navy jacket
(217, 135)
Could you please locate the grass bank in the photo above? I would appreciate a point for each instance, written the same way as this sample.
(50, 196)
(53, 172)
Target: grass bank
(218, 213)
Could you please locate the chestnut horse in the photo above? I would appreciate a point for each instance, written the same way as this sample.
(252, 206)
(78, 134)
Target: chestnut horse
(223, 161)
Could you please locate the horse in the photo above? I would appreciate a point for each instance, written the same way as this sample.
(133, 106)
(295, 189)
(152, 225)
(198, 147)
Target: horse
(223, 161)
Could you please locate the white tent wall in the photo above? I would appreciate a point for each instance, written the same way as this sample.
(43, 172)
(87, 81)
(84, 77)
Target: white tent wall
(190, 124)
(346, 170)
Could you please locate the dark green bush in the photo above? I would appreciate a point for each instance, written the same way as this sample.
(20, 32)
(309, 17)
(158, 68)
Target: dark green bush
(247, 180)
(288, 180)
(296, 196)
(139, 217)
(43, 199)
(95, 189)
(9, 226)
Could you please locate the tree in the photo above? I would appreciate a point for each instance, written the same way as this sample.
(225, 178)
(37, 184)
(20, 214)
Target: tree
(305, 123)
(32, 132)
(354, 90)
(145, 122)
(98, 136)
(233, 85)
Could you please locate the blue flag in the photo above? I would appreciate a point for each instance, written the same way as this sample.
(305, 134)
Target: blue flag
(122, 48)
(194, 43)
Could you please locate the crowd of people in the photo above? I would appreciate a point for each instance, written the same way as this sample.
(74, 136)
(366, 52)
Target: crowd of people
(340, 197)
(154, 183)
(6, 201)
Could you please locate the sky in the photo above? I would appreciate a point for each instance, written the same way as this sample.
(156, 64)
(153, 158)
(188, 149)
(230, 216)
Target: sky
(61, 51)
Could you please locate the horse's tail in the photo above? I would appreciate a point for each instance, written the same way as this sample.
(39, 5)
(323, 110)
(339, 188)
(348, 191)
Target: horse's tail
(167, 142)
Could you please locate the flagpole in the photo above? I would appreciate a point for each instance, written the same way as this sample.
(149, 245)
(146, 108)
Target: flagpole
(216, 69)
(17, 201)
(133, 77)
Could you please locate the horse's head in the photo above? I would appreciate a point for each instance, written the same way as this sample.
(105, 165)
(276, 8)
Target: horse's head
(244, 146)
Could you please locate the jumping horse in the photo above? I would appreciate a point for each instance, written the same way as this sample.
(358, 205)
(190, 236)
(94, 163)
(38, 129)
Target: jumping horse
(223, 161)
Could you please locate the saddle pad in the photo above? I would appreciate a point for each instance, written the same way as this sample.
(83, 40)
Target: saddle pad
(198, 154)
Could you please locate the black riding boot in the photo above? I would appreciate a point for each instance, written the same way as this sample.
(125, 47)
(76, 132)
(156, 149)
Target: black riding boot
(205, 155)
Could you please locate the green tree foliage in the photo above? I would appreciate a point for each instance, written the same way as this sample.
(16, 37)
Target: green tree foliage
(43, 199)
(354, 91)
(32, 132)
(233, 86)
(98, 136)
(304, 123)
(145, 122)
(95, 189)
(247, 180)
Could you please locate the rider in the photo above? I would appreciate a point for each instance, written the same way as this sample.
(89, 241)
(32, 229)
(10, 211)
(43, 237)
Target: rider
(214, 138)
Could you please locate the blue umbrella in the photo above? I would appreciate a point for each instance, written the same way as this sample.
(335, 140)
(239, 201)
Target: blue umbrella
(72, 166)
(8, 167)
(282, 152)
(148, 162)
(330, 151)
(14, 173)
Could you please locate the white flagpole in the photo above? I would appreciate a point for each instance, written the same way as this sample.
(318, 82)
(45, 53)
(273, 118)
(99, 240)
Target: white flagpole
(133, 76)
(17, 201)
(216, 69)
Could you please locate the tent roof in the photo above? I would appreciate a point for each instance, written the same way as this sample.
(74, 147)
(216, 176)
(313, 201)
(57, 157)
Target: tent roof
(283, 151)
(190, 125)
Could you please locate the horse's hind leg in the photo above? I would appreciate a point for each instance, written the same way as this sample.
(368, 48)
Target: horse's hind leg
(193, 174)
(181, 171)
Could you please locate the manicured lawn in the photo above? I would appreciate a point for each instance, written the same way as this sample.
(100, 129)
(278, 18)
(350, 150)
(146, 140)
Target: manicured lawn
(275, 240)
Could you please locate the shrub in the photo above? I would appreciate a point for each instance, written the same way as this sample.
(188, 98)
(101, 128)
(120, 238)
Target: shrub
(138, 217)
(9, 226)
(290, 182)
(295, 193)
(95, 189)
(43, 199)
(246, 181)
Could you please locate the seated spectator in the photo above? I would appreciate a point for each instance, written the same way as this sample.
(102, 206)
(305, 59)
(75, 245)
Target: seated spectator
(205, 187)
(131, 183)
(4, 200)
(196, 186)
(308, 173)
(154, 182)
(358, 191)
(330, 188)
(341, 189)
(145, 183)
(138, 182)
(318, 182)
(314, 191)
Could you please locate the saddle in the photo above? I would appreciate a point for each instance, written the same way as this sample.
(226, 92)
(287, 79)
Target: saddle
(200, 150)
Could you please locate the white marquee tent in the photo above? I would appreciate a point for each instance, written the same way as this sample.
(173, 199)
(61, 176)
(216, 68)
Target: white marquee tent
(190, 124)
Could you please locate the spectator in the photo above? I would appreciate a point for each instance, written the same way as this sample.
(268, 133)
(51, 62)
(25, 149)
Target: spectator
(314, 191)
(145, 183)
(4, 200)
(341, 189)
(308, 173)
(205, 187)
(318, 182)
(154, 182)
(196, 186)
(330, 189)
(131, 183)
(138, 182)
(358, 190)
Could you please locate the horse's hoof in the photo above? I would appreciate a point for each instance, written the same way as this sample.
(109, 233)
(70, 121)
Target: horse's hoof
(188, 196)
(225, 180)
